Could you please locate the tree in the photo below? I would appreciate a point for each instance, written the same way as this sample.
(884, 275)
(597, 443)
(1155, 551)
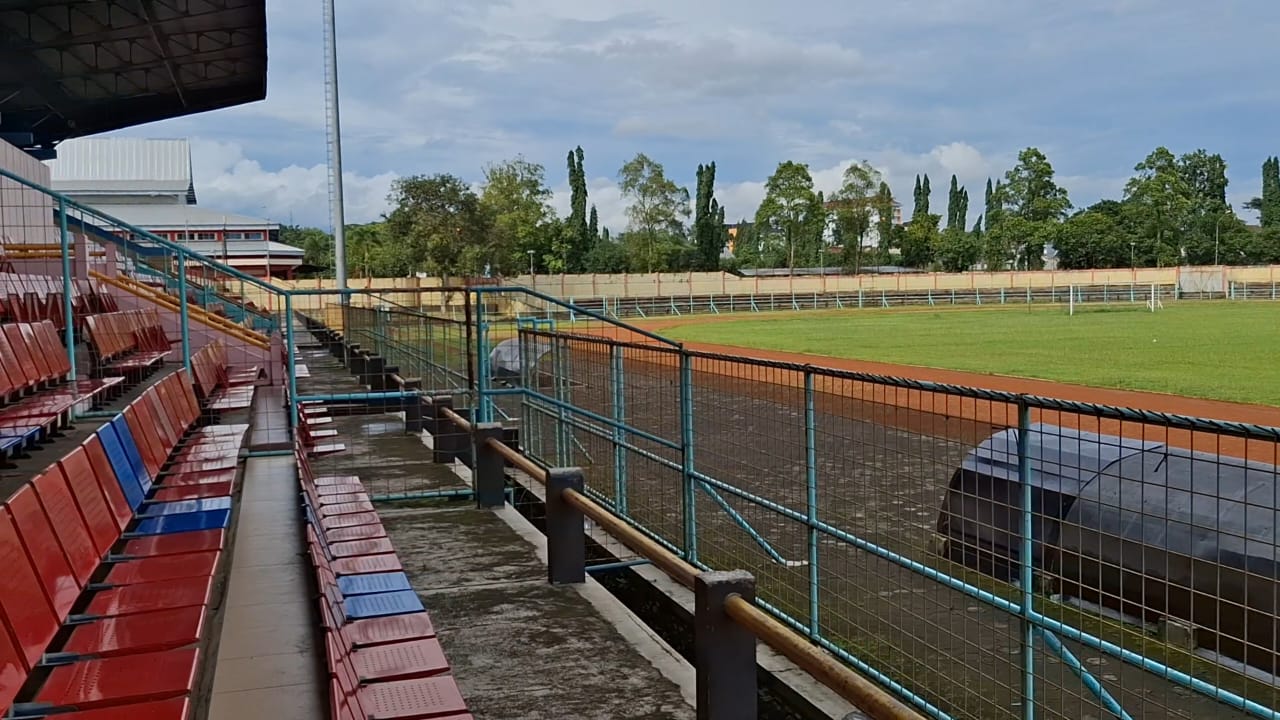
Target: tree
(657, 211)
(516, 199)
(1269, 204)
(606, 256)
(440, 226)
(921, 196)
(579, 237)
(790, 213)
(955, 250)
(1163, 201)
(993, 211)
(1091, 239)
(855, 202)
(883, 203)
(957, 205)
(709, 233)
(316, 244)
(593, 226)
(1030, 192)
(920, 240)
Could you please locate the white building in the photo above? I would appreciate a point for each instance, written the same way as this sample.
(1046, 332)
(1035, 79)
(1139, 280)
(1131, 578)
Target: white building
(148, 183)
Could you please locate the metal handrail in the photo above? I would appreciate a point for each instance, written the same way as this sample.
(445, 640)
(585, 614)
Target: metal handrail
(877, 703)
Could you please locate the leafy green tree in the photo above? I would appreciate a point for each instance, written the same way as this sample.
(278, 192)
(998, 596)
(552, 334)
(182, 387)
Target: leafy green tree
(593, 225)
(955, 250)
(855, 204)
(1091, 239)
(606, 256)
(790, 215)
(316, 244)
(515, 197)
(709, 232)
(1164, 202)
(440, 227)
(920, 240)
(994, 208)
(921, 196)
(1030, 191)
(657, 211)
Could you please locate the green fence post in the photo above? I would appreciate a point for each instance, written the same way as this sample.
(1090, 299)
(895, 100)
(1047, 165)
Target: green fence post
(68, 285)
(686, 445)
(619, 435)
(1025, 560)
(183, 315)
(484, 402)
(811, 474)
(292, 364)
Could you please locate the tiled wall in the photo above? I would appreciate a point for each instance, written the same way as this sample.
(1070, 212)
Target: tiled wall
(26, 216)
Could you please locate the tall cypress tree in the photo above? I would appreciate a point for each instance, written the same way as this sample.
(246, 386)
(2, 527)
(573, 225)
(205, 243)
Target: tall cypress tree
(992, 208)
(1271, 192)
(925, 192)
(583, 237)
(953, 203)
(593, 224)
(709, 235)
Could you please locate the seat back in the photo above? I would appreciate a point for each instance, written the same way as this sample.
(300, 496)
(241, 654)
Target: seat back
(95, 511)
(121, 469)
(57, 579)
(70, 529)
(105, 475)
(25, 613)
(129, 445)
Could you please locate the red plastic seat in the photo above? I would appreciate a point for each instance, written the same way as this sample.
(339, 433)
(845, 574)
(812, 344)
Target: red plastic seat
(150, 597)
(175, 544)
(173, 709)
(355, 532)
(191, 492)
(129, 634)
(34, 540)
(163, 568)
(94, 684)
(94, 510)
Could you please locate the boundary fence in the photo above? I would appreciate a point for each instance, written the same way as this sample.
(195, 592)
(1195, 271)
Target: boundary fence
(980, 554)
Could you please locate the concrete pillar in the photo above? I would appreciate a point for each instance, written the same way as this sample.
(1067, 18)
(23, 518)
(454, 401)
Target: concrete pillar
(413, 408)
(724, 652)
(375, 373)
(566, 537)
(489, 476)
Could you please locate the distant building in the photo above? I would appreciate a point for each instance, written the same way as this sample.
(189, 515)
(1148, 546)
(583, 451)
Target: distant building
(148, 183)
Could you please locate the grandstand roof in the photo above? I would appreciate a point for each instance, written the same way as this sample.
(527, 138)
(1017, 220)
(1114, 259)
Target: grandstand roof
(77, 67)
(124, 166)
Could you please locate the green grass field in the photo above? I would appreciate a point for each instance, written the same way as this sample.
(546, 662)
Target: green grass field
(1218, 350)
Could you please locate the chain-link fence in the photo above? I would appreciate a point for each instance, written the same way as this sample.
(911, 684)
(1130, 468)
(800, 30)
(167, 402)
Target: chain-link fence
(886, 519)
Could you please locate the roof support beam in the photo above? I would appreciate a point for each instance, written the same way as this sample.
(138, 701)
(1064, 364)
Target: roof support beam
(162, 46)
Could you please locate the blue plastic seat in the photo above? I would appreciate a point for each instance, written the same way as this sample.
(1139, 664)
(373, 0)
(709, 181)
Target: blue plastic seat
(185, 507)
(122, 468)
(352, 585)
(186, 522)
(382, 605)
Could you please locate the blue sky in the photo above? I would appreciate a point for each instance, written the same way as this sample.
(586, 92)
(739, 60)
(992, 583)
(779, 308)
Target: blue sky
(937, 86)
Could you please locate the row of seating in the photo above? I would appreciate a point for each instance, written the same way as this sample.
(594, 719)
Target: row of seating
(109, 559)
(219, 387)
(30, 298)
(383, 655)
(126, 342)
(36, 390)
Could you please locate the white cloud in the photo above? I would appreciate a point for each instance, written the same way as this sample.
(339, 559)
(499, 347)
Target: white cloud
(917, 86)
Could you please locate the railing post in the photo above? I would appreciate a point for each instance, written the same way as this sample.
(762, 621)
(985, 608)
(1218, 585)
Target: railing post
(68, 286)
(1025, 561)
(811, 474)
(442, 430)
(619, 435)
(183, 313)
(566, 542)
(488, 476)
(689, 501)
(484, 409)
(724, 652)
(291, 359)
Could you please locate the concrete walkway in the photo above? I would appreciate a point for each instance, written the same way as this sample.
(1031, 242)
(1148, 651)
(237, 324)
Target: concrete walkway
(268, 662)
(520, 649)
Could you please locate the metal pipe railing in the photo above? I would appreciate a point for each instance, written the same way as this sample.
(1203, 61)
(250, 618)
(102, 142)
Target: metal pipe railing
(866, 695)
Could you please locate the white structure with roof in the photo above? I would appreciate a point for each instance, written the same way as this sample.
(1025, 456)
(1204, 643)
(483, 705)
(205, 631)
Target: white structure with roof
(148, 183)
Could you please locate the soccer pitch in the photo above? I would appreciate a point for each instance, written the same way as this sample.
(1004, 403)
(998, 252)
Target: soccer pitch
(1216, 350)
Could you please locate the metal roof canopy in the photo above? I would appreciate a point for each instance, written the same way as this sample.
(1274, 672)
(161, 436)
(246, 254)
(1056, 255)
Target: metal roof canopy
(78, 67)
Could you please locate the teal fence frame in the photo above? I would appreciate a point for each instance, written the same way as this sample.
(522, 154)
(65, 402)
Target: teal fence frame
(613, 426)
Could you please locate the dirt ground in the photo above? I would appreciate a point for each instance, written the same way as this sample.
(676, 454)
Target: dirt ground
(883, 466)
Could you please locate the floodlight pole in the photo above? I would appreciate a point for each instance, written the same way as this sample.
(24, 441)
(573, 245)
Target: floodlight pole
(333, 131)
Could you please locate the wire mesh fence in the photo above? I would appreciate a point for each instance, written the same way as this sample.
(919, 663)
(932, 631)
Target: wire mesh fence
(885, 519)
